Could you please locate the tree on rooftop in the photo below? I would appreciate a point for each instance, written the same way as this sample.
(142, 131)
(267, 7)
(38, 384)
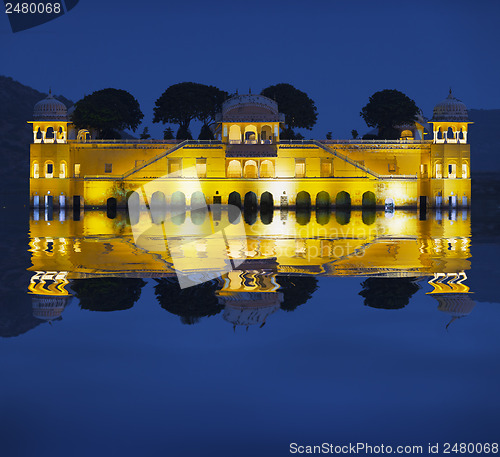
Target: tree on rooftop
(387, 109)
(108, 111)
(183, 102)
(206, 133)
(183, 133)
(299, 110)
(145, 134)
(168, 134)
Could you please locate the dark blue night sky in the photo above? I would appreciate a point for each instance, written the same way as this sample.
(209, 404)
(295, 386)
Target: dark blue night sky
(339, 52)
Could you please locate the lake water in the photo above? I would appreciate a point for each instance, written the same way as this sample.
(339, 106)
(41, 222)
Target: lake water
(340, 328)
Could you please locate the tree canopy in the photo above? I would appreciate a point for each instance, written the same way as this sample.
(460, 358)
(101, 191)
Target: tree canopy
(183, 102)
(108, 111)
(189, 304)
(299, 110)
(296, 290)
(107, 294)
(388, 293)
(387, 109)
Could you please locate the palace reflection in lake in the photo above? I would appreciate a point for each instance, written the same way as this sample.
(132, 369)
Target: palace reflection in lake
(94, 257)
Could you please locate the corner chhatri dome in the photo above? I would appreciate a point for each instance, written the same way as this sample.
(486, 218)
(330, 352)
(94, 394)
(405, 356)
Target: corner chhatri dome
(50, 109)
(450, 110)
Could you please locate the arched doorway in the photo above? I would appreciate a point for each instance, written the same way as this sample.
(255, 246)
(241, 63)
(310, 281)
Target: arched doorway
(178, 199)
(234, 134)
(198, 200)
(234, 169)
(250, 201)
(266, 169)
(250, 169)
(266, 208)
(266, 134)
(111, 208)
(323, 200)
(234, 199)
(343, 200)
(134, 207)
(158, 205)
(251, 134)
(267, 201)
(369, 200)
(303, 200)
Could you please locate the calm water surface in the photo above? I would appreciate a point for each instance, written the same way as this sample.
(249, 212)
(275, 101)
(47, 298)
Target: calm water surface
(320, 337)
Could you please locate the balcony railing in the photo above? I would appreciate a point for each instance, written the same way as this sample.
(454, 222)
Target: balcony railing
(250, 142)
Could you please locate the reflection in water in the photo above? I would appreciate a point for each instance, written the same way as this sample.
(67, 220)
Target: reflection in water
(107, 294)
(388, 293)
(284, 253)
(453, 296)
(190, 304)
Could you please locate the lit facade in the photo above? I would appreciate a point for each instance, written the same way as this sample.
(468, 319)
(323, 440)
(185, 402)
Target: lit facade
(249, 164)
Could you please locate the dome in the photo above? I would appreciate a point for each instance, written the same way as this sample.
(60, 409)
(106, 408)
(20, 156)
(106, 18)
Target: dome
(451, 110)
(250, 108)
(50, 109)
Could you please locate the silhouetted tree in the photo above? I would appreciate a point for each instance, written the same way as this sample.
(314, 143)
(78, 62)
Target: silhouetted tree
(206, 133)
(145, 134)
(299, 110)
(191, 303)
(168, 134)
(387, 109)
(388, 293)
(183, 102)
(108, 111)
(354, 134)
(107, 294)
(183, 134)
(329, 135)
(296, 290)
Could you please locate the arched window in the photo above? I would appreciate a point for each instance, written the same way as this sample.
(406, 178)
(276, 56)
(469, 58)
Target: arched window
(452, 170)
(235, 134)
(438, 170)
(50, 135)
(250, 170)
(35, 173)
(267, 169)
(450, 136)
(266, 134)
(251, 134)
(234, 169)
(62, 169)
(49, 169)
(37, 135)
(465, 171)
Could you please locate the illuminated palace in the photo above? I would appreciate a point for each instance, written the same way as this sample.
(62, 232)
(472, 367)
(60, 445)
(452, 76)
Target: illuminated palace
(249, 165)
